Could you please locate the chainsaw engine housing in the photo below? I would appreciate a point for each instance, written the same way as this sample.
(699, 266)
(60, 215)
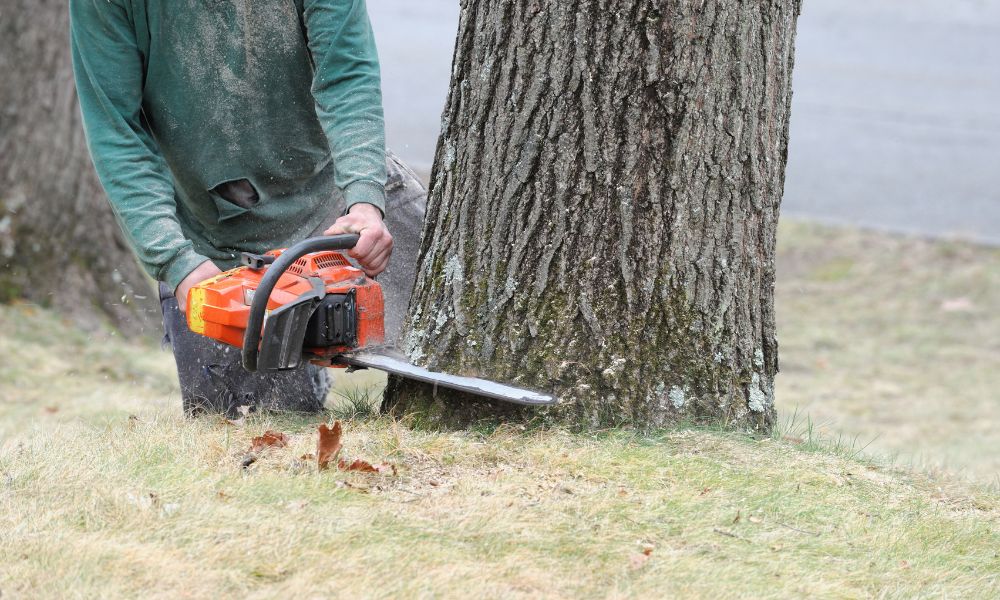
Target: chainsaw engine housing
(320, 307)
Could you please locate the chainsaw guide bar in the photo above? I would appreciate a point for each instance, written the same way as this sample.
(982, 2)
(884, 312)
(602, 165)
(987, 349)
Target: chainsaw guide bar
(392, 363)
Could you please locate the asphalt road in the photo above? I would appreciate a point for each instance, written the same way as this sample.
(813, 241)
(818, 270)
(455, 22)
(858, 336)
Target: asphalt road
(895, 117)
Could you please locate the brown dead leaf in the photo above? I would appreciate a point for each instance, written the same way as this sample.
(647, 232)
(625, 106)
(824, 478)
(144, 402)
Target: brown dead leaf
(328, 446)
(647, 549)
(366, 467)
(52, 409)
(270, 439)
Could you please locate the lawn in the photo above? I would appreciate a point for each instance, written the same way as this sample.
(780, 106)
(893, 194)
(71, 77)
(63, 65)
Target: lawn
(893, 341)
(107, 491)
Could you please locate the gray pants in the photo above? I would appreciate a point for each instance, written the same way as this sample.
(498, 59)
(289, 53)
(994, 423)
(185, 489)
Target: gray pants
(211, 374)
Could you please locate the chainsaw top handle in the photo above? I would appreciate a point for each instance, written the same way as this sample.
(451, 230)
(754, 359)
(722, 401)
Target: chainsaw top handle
(258, 306)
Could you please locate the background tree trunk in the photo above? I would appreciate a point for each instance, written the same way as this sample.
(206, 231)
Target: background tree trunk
(603, 208)
(59, 243)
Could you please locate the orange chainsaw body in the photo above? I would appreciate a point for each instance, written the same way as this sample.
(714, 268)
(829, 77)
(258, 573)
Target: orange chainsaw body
(308, 303)
(219, 307)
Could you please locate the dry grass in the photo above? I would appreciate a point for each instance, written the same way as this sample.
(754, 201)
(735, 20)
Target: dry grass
(105, 491)
(895, 342)
(160, 506)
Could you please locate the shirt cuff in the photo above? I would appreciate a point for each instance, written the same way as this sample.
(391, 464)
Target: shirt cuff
(368, 192)
(179, 267)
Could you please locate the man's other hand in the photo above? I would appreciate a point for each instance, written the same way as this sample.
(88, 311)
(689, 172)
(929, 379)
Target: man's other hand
(375, 246)
(202, 272)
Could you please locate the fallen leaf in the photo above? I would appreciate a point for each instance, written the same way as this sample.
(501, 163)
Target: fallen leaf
(52, 409)
(328, 446)
(647, 549)
(270, 439)
(366, 467)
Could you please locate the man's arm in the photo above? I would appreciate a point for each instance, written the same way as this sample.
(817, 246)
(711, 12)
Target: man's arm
(109, 74)
(347, 89)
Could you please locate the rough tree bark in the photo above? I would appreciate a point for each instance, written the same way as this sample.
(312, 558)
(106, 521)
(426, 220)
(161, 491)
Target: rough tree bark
(59, 243)
(603, 208)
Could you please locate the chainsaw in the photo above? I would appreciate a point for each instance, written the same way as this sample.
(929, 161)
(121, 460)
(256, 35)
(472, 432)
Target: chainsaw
(309, 303)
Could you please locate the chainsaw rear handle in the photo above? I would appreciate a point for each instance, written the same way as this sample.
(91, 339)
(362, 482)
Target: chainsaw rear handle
(258, 306)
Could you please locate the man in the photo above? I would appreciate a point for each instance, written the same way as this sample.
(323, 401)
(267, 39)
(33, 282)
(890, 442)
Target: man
(222, 126)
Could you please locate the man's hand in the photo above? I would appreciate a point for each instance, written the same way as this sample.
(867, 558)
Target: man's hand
(202, 272)
(375, 246)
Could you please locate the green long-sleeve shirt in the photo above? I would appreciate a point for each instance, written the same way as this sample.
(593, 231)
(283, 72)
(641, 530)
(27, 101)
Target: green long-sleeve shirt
(182, 96)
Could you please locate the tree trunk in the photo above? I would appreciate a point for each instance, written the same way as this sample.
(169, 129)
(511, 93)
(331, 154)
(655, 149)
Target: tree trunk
(603, 207)
(59, 243)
